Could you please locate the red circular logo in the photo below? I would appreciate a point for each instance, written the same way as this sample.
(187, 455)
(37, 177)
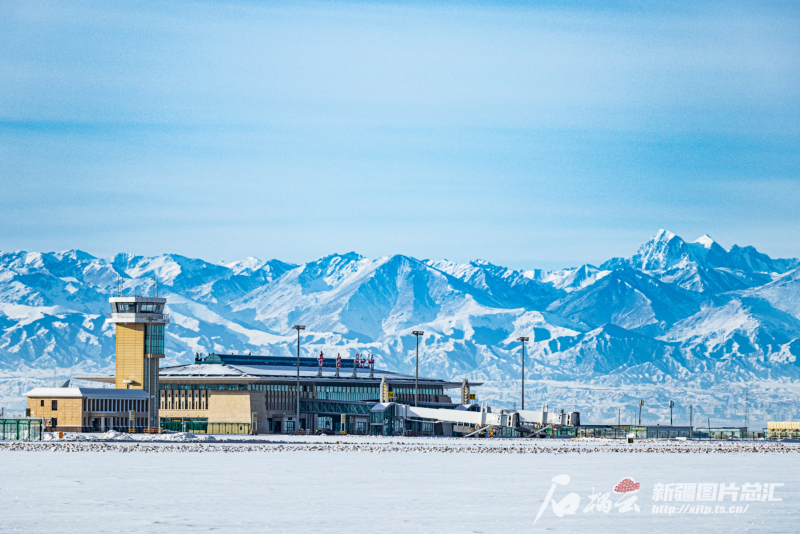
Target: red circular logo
(626, 485)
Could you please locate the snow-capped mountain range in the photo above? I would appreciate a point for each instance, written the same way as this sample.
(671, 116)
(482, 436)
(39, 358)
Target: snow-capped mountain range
(691, 322)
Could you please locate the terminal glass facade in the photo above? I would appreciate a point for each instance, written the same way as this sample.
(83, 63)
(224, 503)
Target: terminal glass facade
(154, 339)
(348, 393)
(382, 421)
(136, 307)
(421, 391)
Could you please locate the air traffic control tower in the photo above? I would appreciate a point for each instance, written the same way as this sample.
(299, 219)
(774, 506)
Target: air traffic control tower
(140, 323)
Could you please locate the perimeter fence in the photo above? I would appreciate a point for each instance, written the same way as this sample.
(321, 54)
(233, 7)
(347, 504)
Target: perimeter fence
(21, 429)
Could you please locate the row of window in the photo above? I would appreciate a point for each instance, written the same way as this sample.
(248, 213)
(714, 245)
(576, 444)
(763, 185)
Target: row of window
(277, 387)
(136, 307)
(422, 391)
(292, 387)
(94, 422)
(231, 387)
(154, 339)
(348, 389)
(113, 405)
(105, 405)
(349, 395)
(173, 400)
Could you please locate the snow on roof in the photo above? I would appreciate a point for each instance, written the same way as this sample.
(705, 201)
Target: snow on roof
(105, 393)
(255, 372)
(214, 369)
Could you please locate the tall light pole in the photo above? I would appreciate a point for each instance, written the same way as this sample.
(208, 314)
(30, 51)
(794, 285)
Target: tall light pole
(641, 403)
(417, 333)
(298, 327)
(671, 404)
(746, 422)
(523, 339)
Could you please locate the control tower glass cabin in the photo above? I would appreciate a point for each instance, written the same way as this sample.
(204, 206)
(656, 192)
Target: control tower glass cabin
(140, 323)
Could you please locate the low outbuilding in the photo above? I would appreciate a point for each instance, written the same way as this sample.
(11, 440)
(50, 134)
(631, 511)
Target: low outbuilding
(75, 409)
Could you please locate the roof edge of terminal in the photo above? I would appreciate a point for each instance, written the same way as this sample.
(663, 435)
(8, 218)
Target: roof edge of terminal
(269, 359)
(154, 300)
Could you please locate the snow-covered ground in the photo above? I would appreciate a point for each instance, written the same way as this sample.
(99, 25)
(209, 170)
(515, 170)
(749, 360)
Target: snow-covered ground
(189, 488)
(436, 443)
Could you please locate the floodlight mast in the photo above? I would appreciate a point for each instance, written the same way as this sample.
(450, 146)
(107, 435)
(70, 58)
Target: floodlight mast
(417, 333)
(298, 327)
(523, 339)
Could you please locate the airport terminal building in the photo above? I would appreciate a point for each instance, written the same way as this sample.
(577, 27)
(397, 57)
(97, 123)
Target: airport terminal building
(232, 394)
(259, 394)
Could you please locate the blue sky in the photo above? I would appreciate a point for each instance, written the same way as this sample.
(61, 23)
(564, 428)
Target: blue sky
(530, 135)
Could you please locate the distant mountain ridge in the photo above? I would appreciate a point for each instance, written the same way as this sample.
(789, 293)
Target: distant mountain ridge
(689, 321)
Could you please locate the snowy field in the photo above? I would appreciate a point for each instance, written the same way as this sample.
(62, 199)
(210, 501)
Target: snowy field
(398, 485)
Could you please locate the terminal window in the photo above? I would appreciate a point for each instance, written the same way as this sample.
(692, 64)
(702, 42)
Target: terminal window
(154, 339)
(134, 307)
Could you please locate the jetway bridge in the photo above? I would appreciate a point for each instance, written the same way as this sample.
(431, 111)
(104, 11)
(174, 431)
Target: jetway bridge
(389, 418)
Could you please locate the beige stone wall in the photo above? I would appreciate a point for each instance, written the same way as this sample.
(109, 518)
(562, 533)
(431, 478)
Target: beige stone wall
(783, 425)
(229, 406)
(69, 412)
(223, 407)
(130, 355)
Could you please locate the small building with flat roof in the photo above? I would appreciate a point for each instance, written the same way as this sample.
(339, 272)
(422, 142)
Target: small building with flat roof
(88, 409)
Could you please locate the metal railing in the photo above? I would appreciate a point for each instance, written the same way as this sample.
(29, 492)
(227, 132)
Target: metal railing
(21, 429)
(783, 433)
(97, 430)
